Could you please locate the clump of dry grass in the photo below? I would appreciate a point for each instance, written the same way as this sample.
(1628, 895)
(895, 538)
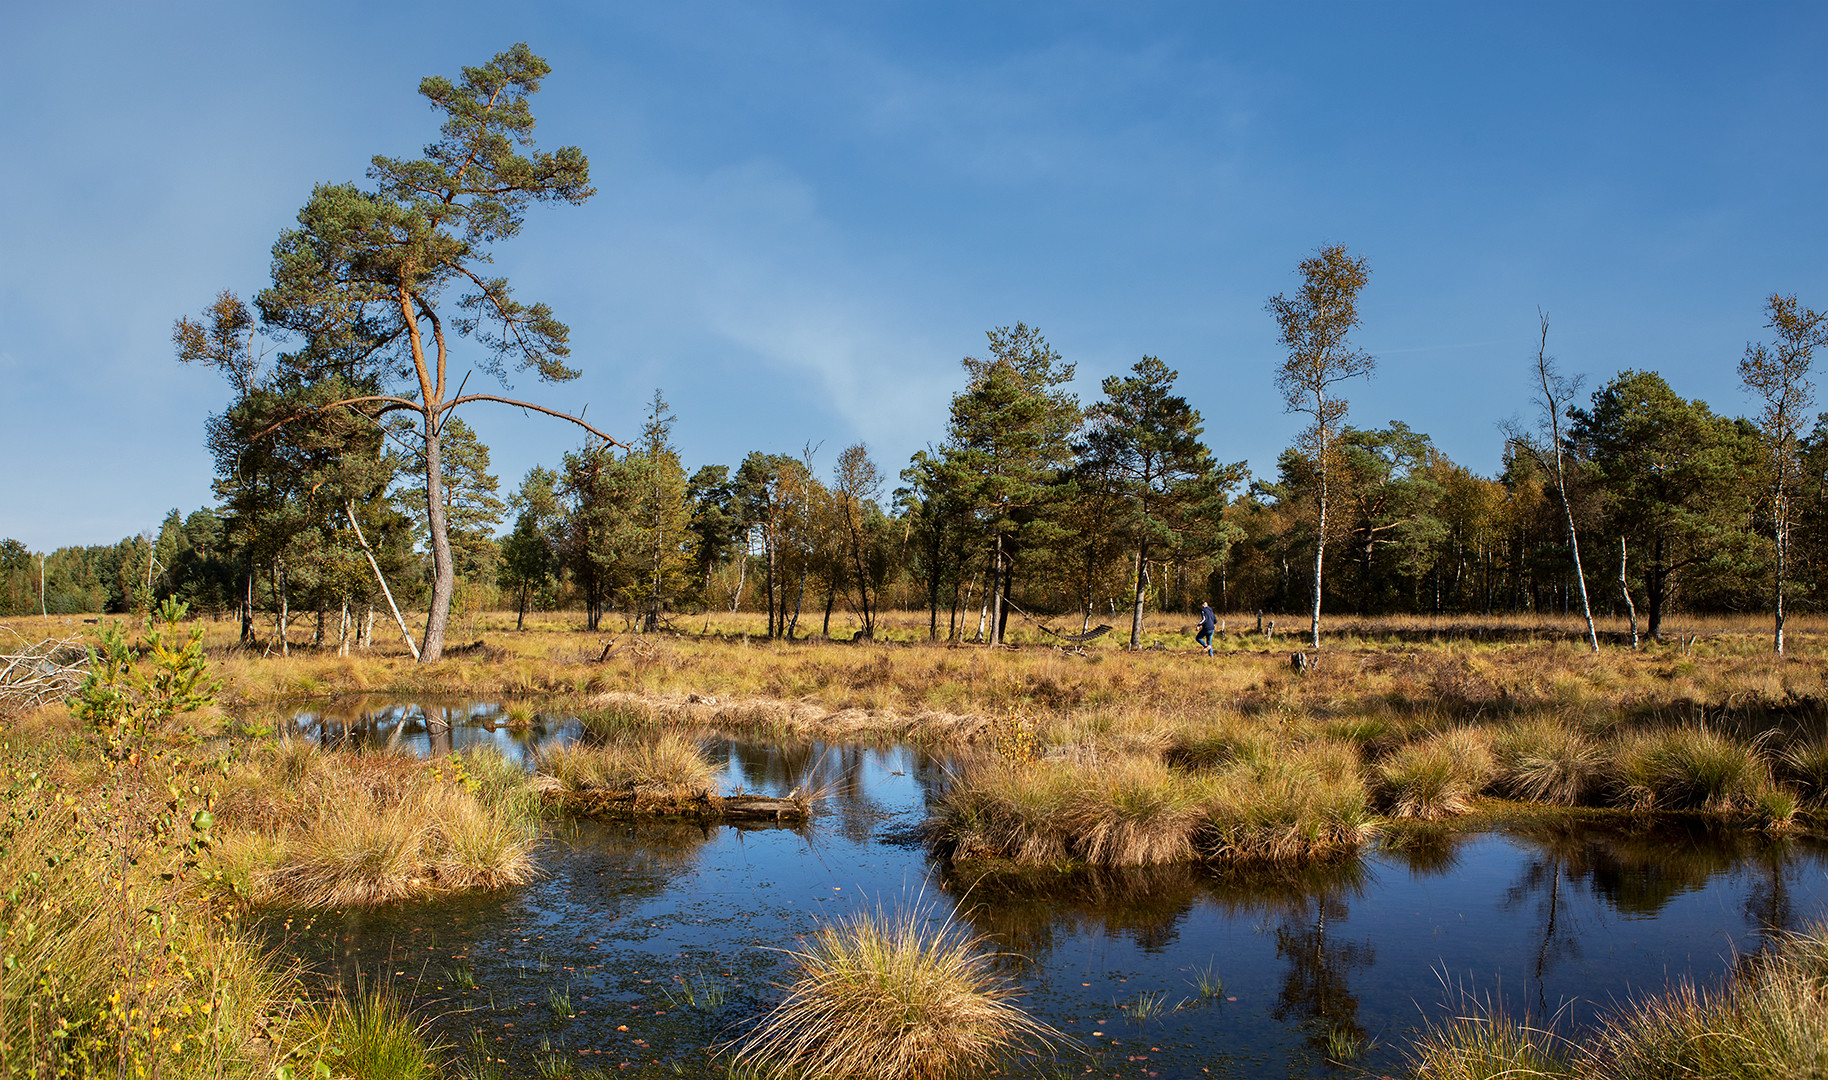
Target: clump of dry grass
(670, 768)
(1548, 760)
(881, 997)
(1133, 810)
(1303, 803)
(1437, 777)
(1483, 1045)
(1690, 768)
(317, 828)
(1805, 764)
(1108, 811)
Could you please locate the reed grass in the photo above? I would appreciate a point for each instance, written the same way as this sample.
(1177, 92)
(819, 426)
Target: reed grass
(886, 997)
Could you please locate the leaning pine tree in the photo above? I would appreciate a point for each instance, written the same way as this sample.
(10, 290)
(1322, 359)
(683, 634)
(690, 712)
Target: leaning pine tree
(365, 281)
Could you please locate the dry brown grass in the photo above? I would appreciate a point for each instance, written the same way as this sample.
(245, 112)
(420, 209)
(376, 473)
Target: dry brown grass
(887, 997)
(663, 772)
(1563, 723)
(311, 828)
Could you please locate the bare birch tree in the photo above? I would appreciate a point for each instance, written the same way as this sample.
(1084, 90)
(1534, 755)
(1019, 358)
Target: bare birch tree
(1778, 376)
(1313, 325)
(1554, 393)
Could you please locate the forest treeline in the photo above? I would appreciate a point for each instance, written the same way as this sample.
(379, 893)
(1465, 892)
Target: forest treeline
(1057, 505)
(349, 487)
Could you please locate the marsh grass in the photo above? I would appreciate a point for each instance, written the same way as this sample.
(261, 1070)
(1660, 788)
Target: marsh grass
(1117, 811)
(655, 772)
(1769, 1021)
(1135, 810)
(1482, 1044)
(1691, 767)
(371, 1036)
(1548, 760)
(1805, 764)
(1437, 777)
(89, 981)
(309, 827)
(884, 997)
(1207, 981)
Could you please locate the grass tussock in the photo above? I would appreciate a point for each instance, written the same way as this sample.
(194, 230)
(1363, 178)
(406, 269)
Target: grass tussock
(1691, 767)
(1436, 777)
(881, 997)
(1482, 1045)
(1135, 810)
(316, 828)
(1114, 811)
(1549, 761)
(372, 1037)
(1769, 1022)
(654, 772)
(1305, 803)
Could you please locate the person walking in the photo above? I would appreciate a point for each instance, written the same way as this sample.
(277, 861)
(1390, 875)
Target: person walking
(1208, 621)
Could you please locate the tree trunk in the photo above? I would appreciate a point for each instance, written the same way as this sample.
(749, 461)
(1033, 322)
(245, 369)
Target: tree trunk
(1631, 609)
(799, 597)
(996, 589)
(1655, 583)
(520, 614)
(247, 607)
(1781, 519)
(444, 573)
(742, 569)
(1320, 554)
(284, 614)
(367, 639)
(769, 583)
(368, 635)
(1142, 585)
(1586, 608)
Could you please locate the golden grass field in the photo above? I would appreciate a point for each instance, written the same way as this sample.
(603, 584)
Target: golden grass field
(1063, 756)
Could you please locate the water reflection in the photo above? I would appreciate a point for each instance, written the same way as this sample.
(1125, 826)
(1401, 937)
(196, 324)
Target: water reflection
(430, 727)
(1585, 913)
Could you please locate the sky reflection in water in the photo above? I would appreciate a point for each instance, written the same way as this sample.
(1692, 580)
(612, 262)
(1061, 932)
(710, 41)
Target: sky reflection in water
(673, 931)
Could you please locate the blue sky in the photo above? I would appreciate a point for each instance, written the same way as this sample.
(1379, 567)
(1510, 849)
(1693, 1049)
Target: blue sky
(807, 213)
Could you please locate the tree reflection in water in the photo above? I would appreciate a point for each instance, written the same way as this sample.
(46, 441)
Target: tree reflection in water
(1025, 912)
(428, 727)
(1637, 868)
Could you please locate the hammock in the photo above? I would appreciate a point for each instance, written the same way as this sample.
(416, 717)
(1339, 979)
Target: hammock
(1093, 634)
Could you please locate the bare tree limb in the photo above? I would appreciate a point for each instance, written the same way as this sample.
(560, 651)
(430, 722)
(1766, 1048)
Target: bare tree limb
(454, 402)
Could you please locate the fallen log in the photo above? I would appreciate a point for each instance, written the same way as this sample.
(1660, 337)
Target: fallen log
(706, 807)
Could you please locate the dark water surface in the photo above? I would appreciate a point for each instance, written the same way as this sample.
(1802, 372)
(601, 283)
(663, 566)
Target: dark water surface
(646, 943)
